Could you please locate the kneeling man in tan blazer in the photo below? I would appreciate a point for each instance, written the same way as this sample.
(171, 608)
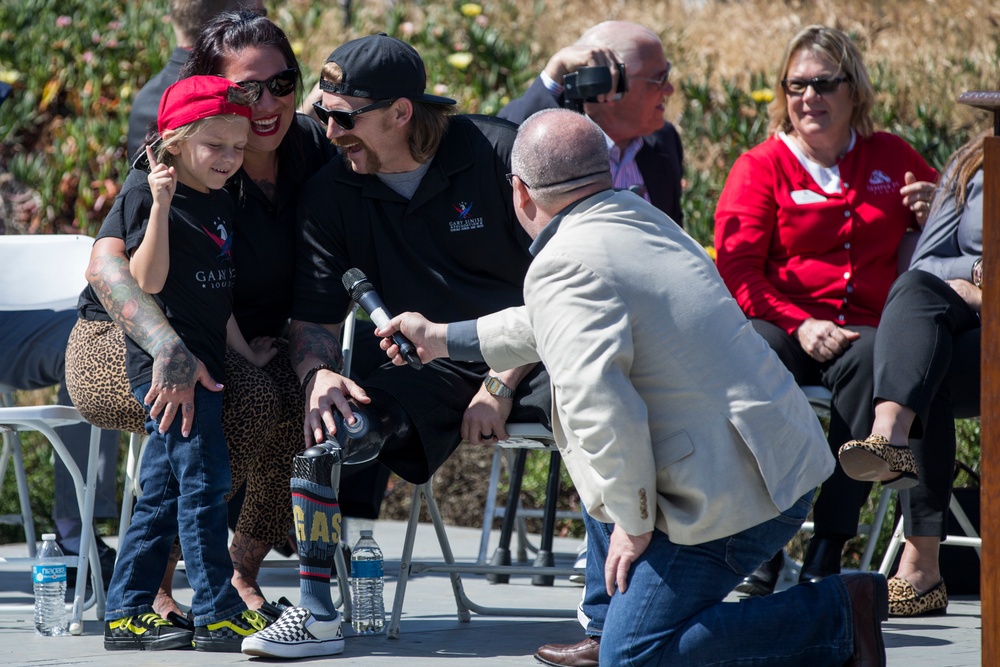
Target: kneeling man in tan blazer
(692, 448)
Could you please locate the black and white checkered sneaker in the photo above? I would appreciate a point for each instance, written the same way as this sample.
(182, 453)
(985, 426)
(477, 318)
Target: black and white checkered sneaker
(297, 634)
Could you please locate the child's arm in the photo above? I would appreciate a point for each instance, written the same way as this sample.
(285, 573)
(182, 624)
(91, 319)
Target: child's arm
(261, 351)
(150, 262)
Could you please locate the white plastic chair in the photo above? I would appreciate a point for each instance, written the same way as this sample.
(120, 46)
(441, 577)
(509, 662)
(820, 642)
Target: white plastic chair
(46, 272)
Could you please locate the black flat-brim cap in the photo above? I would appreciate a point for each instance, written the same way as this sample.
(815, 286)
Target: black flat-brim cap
(380, 67)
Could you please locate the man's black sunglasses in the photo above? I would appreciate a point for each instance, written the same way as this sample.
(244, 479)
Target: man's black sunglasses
(281, 84)
(797, 87)
(345, 119)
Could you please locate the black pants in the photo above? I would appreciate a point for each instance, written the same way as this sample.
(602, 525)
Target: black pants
(849, 379)
(435, 398)
(927, 359)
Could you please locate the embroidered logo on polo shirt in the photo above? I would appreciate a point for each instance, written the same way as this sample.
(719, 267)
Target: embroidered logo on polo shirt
(880, 183)
(464, 222)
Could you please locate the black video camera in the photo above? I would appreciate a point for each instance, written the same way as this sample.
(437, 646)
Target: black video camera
(586, 83)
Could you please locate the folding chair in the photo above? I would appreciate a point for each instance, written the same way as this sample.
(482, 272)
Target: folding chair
(970, 538)
(46, 272)
(819, 398)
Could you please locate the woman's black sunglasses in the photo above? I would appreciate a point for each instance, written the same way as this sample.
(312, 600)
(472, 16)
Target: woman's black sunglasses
(797, 87)
(345, 119)
(281, 84)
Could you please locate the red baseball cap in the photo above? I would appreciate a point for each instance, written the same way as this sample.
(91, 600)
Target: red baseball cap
(198, 97)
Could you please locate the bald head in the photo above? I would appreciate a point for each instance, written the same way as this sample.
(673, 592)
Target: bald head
(559, 157)
(632, 42)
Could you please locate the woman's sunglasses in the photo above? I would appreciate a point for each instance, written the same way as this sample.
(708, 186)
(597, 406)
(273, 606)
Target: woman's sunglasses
(797, 87)
(281, 84)
(345, 119)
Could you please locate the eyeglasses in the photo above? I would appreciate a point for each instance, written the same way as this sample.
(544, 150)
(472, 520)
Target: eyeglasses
(797, 87)
(658, 82)
(280, 84)
(345, 119)
(510, 179)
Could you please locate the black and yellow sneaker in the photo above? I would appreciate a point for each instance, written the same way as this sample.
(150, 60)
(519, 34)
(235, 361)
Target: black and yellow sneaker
(227, 635)
(145, 632)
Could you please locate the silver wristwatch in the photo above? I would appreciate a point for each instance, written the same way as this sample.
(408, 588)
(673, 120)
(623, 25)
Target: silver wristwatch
(495, 386)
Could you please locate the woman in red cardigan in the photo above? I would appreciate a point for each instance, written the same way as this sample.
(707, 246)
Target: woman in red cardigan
(807, 231)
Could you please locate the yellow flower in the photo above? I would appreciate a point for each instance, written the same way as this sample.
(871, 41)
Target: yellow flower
(460, 60)
(762, 95)
(471, 9)
(9, 76)
(297, 48)
(711, 252)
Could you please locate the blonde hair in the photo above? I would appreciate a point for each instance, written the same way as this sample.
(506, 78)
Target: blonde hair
(178, 136)
(837, 48)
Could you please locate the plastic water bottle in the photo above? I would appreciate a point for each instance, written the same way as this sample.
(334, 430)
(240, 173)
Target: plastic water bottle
(367, 580)
(49, 577)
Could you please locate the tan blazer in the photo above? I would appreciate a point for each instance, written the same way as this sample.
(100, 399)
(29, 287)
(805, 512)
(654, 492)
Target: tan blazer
(669, 409)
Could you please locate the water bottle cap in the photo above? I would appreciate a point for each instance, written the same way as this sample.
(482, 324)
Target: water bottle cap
(48, 537)
(366, 533)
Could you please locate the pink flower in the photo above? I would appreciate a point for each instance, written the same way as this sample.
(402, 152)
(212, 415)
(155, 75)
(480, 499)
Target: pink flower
(114, 25)
(64, 22)
(88, 57)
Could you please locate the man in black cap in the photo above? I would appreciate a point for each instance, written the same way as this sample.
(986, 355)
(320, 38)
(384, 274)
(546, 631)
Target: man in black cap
(421, 205)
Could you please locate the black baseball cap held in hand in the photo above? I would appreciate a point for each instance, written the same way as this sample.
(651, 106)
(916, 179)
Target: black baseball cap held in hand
(380, 67)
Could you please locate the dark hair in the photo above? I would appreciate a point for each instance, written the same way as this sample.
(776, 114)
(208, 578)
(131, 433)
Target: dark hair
(231, 32)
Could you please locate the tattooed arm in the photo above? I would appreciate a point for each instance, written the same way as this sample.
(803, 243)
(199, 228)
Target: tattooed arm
(309, 346)
(175, 370)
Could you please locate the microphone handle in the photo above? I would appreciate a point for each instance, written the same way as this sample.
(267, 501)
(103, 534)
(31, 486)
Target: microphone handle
(372, 304)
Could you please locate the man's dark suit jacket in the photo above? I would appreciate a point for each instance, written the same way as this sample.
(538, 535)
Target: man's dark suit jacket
(660, 160)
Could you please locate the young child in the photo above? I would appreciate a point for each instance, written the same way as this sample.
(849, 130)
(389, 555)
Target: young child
(178, 233)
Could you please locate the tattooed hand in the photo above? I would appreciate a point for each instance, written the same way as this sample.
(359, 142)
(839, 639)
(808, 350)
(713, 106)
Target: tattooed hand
(175, 373)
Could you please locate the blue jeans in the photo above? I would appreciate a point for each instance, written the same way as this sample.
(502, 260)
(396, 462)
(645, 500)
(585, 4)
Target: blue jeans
(184, 483)
(672, 612)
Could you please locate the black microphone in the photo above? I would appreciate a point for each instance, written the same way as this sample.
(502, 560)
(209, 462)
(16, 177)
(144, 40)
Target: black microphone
(362, 291)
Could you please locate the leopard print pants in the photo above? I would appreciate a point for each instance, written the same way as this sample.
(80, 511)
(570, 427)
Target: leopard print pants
(262, 416)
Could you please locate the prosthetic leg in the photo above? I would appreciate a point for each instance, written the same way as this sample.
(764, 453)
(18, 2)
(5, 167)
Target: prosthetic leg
(314, 503)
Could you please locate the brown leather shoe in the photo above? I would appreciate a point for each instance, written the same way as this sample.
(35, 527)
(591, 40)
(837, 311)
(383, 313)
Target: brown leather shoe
(584, 654)
(869, 595)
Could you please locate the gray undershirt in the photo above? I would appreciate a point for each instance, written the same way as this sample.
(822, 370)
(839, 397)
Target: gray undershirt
(406, 183)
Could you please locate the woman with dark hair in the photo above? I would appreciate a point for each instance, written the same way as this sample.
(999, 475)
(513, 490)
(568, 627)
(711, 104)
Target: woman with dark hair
(808, 232)
(262, 408)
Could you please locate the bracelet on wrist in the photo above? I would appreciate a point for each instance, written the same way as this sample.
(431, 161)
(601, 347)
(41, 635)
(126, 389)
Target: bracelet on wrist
(977, 273)
(312, 373)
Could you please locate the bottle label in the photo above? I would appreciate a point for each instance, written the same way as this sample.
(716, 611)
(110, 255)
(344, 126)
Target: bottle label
(48, 574)
(365, 569)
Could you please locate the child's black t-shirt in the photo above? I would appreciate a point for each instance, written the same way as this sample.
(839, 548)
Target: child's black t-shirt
(197, 295)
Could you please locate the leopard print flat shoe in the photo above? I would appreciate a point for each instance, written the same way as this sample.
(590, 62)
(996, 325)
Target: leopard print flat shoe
(874, 459)
(904, 600)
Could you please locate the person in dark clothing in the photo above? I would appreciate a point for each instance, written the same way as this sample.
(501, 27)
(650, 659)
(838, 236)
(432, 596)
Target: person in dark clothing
(421, 205)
